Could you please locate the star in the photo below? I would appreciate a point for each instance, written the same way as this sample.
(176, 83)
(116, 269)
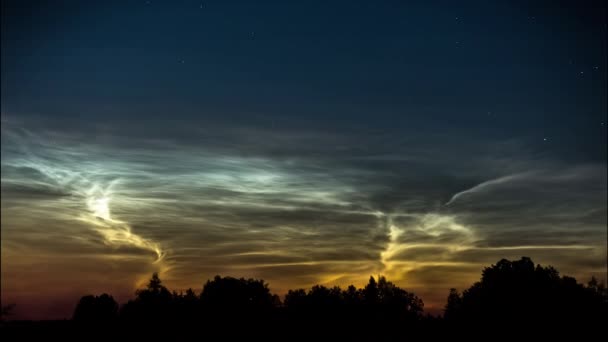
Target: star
(545, 139)
(596, 67)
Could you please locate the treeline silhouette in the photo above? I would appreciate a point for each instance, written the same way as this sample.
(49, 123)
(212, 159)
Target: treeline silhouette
(513, 297)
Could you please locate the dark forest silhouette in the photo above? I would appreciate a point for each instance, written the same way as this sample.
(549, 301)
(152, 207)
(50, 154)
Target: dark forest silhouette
(512, 296)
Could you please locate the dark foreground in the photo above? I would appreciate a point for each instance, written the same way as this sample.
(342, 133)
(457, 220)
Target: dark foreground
(513, 300)
(335, 329)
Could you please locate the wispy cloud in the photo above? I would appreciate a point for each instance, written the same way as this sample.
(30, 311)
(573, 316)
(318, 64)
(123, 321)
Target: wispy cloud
(290, 207)
(484, 185)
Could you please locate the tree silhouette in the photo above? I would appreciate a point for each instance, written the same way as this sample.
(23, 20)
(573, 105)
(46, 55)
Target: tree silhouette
(154, 303)
(154, 293)
(97, 309)
(386, 301)
(370, 292)
(155, 284)
(521, 295)
(295, 299)
(379, 309)
(512, 297)
(232, 293)
(454, 304)
(245, 305)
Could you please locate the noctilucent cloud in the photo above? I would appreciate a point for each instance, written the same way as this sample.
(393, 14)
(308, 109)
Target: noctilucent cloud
(299, 142)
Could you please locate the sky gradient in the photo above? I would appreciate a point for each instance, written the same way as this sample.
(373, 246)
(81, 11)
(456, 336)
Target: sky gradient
(302, 143)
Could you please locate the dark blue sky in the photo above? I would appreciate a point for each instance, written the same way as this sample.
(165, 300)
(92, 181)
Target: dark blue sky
(297, 141)
(497, 69)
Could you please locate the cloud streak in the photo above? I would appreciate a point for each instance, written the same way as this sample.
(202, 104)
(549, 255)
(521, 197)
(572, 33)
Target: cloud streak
(114, 231)
(482, 186)
(58, 168)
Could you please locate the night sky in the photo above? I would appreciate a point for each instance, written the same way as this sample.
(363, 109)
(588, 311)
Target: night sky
(299, 142)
